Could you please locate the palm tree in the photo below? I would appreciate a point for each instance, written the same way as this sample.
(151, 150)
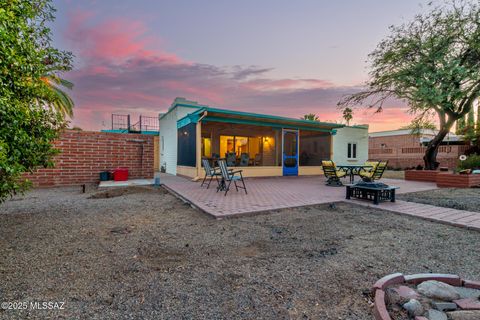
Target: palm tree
(311, 117)
(63, 103)
(348, 115)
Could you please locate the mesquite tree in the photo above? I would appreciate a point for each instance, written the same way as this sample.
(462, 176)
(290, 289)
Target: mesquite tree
(433, 64)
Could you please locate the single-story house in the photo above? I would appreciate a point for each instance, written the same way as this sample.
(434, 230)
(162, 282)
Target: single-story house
(262, 145)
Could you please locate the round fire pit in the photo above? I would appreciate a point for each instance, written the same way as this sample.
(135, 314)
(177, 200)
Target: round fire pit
(427, 296)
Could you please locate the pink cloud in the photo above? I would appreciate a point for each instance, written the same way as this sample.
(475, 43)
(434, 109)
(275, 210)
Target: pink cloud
(122, 70)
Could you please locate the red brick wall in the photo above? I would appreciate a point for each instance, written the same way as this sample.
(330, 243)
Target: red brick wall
(404, 151)
(84, 154)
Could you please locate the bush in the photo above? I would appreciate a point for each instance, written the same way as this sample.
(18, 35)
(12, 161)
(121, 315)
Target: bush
(472, 162)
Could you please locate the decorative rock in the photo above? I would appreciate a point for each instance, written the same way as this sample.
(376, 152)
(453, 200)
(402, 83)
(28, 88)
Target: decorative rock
(406, 292)
(468, 304)
(400, 295)
(464, 315)
(436, 315)
(466, 293)
(420, 318)
(438, 290)
(451, 279)
(444, 306)
(414, 307)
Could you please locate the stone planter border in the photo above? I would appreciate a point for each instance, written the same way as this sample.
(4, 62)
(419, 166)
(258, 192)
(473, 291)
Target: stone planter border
(380, 306)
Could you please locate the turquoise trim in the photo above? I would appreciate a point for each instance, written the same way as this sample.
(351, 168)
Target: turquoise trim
(190, 118)
(334, 132)
(269, 117)
(264, 124)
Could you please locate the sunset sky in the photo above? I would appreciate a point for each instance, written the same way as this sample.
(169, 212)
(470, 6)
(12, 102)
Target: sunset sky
(278, 57)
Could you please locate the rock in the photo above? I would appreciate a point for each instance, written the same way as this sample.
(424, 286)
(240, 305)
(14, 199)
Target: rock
(436, 315)
(468, 304)
(444, 306)
(414, 307)
(464, 315)
(400, 295)
(466, 293)
(438, 290)
(406, 292)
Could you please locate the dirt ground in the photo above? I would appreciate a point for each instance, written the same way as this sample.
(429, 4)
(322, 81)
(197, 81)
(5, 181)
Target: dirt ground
(141, 253)
(461, 199)
(394, 174)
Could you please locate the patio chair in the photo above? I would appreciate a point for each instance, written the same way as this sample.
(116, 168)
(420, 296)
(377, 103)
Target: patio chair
(209, 173)
(231, 159)
(257, 160)
(244, 159)
(332, 174)
(373, 165)
(228, 176)
(376, 174)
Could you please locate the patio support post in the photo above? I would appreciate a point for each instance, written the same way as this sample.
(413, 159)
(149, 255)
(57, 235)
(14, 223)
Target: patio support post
(198, 137)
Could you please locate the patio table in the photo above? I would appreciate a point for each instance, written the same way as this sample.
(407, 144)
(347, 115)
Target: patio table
(352, 169)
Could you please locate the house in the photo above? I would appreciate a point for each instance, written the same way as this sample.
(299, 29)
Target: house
(404, 150)
(263, 145)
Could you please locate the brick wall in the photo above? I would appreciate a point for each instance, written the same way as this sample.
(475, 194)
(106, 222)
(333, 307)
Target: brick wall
(84, 154)
(404, 151)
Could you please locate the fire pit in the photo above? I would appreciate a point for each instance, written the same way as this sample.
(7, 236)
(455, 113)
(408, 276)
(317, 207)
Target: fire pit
(426, 297)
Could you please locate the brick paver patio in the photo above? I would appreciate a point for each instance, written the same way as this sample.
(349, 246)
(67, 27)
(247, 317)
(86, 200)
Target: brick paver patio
(274, 193)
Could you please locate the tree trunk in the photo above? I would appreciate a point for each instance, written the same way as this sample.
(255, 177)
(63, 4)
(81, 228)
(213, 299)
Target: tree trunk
(430, 157)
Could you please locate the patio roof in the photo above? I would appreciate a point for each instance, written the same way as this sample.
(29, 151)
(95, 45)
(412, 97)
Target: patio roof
(208, 114)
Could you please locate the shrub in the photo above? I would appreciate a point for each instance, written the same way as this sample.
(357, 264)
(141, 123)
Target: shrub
(472, 162)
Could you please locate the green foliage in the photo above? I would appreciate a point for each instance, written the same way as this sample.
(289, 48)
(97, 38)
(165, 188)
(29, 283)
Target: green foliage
(311, 117)
(347, 115)
(418, 124)
(432, 63)
(28, 122)
(472, 162)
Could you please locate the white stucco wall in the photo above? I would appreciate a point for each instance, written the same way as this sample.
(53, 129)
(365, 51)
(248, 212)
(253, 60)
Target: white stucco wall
(168, 137)
(345, 135)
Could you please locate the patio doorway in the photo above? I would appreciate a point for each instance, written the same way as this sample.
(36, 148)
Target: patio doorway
(290, 152)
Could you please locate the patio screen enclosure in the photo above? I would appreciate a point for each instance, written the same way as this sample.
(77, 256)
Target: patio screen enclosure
(250, 145)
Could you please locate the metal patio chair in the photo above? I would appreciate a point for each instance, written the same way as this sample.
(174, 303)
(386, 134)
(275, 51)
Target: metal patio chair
(375, 174)
(244, 160)
(228, 176)
(209, 173)
(231, 159)
(332, 174)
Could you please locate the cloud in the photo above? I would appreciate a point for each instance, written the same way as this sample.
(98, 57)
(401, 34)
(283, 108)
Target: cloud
(120, 70)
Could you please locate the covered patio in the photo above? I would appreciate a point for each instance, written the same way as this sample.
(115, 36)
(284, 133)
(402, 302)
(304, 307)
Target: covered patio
(270, 193)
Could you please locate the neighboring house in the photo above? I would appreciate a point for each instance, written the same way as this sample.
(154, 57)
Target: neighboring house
(404, 150)
(262, 145)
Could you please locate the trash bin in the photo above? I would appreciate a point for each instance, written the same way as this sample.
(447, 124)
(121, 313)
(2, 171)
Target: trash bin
(157, 179)
(104, 176)
(120, 174)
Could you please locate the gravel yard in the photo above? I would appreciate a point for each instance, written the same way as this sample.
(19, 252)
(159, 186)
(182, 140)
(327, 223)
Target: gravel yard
(140, 253)
(461, 199)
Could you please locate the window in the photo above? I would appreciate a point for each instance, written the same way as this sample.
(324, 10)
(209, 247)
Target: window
(352, 151)
(162, 144)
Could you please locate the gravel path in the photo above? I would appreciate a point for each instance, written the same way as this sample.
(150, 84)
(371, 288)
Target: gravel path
(143, 254)
(461, 199)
